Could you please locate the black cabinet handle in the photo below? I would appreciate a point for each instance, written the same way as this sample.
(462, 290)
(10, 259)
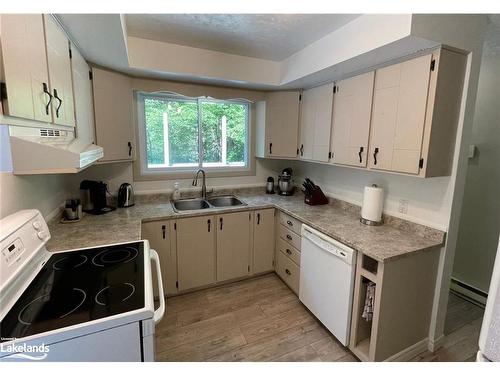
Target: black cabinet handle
(301, 150)
(208, 224)
(60, 102)
(289, 252)
(288, 271)
(289, 237)
(289, 223)
(375, 156)
(47, 92)
(258, 219)
(129, 144)
(270, 148)
(221, 221)
(163, 230)
(361, 149)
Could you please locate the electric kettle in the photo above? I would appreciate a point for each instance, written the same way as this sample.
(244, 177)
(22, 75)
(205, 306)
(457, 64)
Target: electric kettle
(125, 195)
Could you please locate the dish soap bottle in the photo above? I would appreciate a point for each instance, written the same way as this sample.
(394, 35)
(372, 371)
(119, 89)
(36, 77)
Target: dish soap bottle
(176, 195)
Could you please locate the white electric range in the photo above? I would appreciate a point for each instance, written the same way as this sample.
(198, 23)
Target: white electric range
(89, 304)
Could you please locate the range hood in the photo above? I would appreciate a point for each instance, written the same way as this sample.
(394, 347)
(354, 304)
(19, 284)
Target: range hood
(48, 151)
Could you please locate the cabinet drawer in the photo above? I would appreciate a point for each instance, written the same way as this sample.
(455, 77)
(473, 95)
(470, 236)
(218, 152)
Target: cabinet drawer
(289, 272)
(290, 251)
(289, 236)
(290, 222)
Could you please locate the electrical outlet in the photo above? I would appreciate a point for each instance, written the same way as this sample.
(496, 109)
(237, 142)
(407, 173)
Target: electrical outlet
(403, 206)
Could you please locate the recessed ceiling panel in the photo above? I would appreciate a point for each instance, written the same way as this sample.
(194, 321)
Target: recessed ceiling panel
(266, 36)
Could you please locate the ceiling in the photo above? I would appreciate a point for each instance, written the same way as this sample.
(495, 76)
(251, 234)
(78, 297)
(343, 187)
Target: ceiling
(265, 36)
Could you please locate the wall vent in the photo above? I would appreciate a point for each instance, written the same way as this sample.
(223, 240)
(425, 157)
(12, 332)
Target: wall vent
(49, 133)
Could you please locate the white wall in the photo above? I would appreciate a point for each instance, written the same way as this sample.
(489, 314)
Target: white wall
(43, 192)
(426, 197)
(480, 218)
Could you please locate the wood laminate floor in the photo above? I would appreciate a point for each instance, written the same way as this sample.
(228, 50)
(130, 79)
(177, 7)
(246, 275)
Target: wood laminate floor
(262, 320)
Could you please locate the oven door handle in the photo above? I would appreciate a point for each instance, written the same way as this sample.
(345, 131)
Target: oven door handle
(158, 313)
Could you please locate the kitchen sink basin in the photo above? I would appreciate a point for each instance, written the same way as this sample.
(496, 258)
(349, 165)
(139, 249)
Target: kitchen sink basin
(227, 201)
(190, 204)
(195, 204)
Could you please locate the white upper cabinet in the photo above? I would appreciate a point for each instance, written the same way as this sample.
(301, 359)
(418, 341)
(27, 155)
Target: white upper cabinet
(113, 115)
(315, 123)
(82, 94)
(37, 69)
(415, 114)
(399, 107)
(25, 67)
(352, 104)
(59, 63)
(277, 125)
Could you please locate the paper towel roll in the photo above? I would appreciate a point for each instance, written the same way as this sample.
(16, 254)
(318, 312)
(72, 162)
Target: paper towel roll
(373, 202)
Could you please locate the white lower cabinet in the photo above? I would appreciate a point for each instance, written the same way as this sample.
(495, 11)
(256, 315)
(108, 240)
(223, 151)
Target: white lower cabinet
(161, 238)
(233, 245)
(196, 252)
(263, 241)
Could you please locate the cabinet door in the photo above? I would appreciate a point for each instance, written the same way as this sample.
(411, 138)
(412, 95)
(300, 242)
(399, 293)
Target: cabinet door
(59, 63)
(263, 241)
(25, 67)
(82, 94)
(196, 251)
(399, 106)
(161, 238)
(113, 115)
(233, 245)
(316, 122)
(282, 124)
(352, 105)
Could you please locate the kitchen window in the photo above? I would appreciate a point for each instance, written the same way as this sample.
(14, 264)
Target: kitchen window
(180, 134)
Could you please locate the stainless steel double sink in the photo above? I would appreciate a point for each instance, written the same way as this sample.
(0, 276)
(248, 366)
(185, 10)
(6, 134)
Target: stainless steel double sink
(196, 204)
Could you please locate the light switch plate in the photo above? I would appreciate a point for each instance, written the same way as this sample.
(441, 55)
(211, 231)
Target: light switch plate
(403, 206)
(472, 152)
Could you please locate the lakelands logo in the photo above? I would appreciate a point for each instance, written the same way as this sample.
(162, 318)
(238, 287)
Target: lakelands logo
(24, 351)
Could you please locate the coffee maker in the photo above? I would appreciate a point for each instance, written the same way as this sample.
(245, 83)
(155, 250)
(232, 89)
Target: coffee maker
(93, 197)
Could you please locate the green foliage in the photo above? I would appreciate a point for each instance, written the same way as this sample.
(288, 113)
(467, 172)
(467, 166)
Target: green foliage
(183, 130)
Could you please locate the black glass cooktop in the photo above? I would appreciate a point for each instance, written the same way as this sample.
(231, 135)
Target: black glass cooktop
(77, 287)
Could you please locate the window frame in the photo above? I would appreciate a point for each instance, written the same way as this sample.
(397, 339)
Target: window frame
(146, 173)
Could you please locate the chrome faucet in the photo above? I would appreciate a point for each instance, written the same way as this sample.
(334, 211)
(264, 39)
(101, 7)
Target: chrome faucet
(204, 186)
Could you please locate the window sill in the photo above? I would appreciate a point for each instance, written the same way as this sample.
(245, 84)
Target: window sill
(189, 174)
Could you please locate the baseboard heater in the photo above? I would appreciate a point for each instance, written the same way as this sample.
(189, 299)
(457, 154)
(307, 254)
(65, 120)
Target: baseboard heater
(469, 292)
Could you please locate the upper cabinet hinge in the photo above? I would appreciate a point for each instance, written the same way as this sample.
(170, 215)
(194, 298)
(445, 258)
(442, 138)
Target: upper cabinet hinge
(421, 163)
(433, 65)
(70, 53)
(91, 76)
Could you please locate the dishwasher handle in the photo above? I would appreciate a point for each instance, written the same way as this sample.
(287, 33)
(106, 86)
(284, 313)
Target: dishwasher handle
(158, 313)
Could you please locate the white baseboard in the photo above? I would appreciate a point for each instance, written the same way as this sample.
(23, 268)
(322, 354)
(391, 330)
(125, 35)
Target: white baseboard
(468, 292)
(435, 344)
(410, 352)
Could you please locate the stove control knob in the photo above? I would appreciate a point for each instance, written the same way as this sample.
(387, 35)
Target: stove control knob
(37, 225)
(42, 235)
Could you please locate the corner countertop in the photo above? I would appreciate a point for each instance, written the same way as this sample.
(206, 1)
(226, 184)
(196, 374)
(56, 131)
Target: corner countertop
(395, 239)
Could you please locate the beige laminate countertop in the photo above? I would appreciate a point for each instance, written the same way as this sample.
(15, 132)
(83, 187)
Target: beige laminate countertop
(395, 239)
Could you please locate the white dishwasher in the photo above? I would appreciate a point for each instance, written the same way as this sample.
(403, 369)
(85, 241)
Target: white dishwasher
(327, 281)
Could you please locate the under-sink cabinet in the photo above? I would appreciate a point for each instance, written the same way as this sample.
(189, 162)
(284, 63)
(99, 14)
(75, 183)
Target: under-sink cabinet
(201, 251)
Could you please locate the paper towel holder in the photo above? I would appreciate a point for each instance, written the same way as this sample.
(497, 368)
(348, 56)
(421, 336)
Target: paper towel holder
(371, 222)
